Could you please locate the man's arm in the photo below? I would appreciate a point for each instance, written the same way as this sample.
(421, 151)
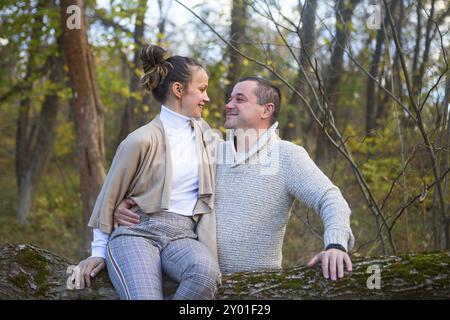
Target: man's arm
(123, 216)
(311, 186)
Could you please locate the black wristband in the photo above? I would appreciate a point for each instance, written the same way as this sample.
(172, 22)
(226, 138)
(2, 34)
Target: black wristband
(335, 246)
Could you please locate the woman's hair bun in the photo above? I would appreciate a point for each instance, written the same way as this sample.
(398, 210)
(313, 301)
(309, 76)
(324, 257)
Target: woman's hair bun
(155, 66)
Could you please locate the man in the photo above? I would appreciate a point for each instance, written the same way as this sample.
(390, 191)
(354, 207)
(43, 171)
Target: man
(257, 178)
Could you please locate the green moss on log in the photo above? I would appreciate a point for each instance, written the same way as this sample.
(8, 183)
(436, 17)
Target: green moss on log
(28, 272)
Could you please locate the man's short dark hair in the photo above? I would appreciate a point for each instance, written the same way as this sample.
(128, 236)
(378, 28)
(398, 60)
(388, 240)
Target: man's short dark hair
(266, 92)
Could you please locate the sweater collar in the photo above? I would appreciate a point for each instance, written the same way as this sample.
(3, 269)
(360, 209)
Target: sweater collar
(269, 134)
(173, 119)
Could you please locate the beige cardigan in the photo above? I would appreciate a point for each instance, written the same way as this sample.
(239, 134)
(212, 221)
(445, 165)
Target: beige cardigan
(142, 170)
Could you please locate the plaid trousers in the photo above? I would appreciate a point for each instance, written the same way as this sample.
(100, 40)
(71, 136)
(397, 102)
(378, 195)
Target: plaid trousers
(165, 242)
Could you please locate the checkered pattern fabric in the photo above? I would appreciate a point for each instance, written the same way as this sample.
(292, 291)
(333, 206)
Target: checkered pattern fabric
(163, 242)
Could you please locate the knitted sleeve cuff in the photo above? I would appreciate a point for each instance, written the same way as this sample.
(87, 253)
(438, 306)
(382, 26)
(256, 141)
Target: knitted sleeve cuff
(341, 237)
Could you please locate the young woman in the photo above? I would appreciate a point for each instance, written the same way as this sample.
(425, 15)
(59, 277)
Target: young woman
(164, 167)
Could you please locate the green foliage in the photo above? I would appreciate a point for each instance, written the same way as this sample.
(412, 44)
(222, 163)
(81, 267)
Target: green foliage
(58, 207)
(56, 222)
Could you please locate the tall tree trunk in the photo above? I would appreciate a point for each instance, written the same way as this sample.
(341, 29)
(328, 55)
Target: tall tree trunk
(447, 146)
(443, 159)
(25, 132)
(307, 37)
(418, 77)
(238, 27)
(161, 23)
(394, 84)
(128, 121)
(416, 107)
(447, 118)
(333, 76)
(43, 145)
(381, 112)
(87, 109)
(418, 41)
(371, 100)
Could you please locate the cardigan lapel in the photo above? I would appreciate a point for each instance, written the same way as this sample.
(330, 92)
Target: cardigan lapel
(205, 203)
(165, 197)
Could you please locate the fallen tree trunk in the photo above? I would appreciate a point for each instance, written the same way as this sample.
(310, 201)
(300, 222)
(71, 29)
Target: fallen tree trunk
(28, 272)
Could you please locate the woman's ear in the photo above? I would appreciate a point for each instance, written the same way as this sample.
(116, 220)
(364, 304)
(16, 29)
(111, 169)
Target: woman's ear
(177, 89)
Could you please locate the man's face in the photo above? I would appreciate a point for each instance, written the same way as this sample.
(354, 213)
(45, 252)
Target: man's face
(242, 110)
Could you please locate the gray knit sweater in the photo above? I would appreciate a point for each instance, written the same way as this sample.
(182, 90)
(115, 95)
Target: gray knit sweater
(254, 196)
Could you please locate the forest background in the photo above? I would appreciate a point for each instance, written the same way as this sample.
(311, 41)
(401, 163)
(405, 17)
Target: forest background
(365, 84)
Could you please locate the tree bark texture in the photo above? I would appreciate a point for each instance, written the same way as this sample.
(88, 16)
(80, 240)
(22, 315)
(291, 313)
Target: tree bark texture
(128, 120)
(88, 111)
(239, 16)
(307, 37)
(28, 272)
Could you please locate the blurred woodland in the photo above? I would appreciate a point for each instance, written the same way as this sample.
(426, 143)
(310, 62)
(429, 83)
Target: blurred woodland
(365, 84)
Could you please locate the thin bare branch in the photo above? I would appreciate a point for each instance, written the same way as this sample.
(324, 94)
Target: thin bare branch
(420, 195)
(398, 177)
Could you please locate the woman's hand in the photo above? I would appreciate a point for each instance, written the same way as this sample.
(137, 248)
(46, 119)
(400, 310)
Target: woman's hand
(89, 268)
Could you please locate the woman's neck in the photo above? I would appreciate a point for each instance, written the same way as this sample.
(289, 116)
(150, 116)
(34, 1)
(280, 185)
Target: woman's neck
(174, 105)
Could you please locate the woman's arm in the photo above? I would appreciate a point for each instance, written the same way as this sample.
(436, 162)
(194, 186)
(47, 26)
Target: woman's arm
(90, 267)
(119, 181)
(99, 244)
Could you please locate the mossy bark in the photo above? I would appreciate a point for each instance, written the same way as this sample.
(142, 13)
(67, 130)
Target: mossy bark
(28, 272)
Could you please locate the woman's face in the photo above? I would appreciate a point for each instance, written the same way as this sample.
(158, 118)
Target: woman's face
(194, 97)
